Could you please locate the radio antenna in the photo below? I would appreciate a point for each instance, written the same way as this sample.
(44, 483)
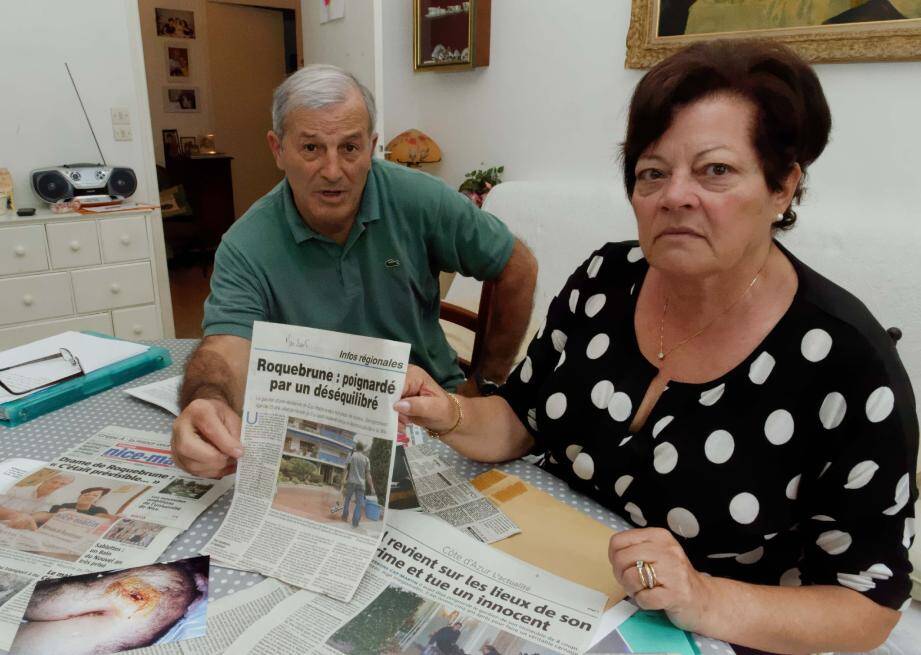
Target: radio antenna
(85, 114)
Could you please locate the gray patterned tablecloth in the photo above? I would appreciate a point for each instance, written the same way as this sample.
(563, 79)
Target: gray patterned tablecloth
(48, 436)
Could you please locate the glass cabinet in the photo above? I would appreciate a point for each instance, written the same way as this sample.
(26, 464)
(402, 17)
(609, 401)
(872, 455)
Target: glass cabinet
(450, 34)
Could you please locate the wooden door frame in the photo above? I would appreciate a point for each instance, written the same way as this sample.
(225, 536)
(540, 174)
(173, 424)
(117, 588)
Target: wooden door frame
(292, 5)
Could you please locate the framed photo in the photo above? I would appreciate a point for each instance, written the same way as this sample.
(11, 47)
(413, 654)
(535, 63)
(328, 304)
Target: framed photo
(189, 145)
(180, 99)
(175, 23)
(171, 145)
(857, 30)
(177, 61)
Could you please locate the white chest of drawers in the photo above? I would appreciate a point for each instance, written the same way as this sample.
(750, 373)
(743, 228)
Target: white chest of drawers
(82, 272)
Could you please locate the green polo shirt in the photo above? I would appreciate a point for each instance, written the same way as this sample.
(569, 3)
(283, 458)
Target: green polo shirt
(383, 282)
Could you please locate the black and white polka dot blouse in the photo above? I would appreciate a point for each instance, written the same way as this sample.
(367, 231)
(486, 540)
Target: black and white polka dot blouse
(796, 467)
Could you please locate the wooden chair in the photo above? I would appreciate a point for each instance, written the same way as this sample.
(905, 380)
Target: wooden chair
(477, 322)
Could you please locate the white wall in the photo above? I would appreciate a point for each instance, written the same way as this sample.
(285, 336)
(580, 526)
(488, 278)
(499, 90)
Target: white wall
(189, 124)
(552, 106)
(347, 42)
(41, 123)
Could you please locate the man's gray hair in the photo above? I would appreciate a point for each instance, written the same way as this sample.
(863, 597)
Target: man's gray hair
(316, 86)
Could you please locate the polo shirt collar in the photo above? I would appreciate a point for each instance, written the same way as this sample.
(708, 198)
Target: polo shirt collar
(368, 209)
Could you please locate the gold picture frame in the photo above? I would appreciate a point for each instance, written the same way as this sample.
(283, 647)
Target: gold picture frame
(875, 40)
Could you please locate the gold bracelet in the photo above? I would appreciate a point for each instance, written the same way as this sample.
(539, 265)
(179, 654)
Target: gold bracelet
(460, 417)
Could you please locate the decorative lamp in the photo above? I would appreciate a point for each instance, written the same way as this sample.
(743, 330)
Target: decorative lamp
(412, 148)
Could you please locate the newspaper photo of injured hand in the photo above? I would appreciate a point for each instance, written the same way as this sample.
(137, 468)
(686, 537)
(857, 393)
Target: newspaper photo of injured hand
(112, 611)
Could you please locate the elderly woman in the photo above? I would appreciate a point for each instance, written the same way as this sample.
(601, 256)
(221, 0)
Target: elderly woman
(750, 417)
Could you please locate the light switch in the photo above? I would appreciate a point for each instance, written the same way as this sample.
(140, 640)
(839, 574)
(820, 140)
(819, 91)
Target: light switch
(121, 116)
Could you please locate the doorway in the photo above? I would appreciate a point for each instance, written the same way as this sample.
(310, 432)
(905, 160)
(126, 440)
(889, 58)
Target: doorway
(229, 58)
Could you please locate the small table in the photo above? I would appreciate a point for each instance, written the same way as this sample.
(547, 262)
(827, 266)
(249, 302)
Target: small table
(50, 435)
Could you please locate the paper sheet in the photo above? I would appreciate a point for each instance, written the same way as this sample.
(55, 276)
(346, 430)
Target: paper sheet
(542, 519)
(163, 393)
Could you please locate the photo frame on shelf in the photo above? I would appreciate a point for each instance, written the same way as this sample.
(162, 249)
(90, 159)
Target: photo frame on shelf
(178, 99)
(189, 145)
(172, 147)
(177, 61)
(820, 32)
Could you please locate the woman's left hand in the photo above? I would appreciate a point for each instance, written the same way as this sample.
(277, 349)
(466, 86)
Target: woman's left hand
(680, 589)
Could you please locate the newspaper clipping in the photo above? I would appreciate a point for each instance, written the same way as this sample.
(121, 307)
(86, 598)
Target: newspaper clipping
(429, 587)
(444, 492)
(115, 501)
(319, 433)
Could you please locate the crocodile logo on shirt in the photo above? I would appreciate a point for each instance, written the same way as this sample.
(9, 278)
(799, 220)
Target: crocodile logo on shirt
(392, 263)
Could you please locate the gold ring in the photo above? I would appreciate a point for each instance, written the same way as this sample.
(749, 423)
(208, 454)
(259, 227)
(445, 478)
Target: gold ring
(651, 574)
(641, 570)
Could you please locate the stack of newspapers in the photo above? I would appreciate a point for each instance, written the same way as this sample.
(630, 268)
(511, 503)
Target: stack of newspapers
(347, 573)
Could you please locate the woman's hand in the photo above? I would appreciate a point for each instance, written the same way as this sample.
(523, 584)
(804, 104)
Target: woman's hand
(424, 402)
(681, 590)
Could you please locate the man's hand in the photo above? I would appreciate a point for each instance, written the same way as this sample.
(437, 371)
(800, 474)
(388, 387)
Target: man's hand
(206, 438)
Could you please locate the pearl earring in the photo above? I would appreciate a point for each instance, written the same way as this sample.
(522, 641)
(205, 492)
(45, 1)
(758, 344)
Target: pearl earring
(780, 217)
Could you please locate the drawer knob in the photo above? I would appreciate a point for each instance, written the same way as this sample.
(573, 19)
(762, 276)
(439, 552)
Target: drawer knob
(75, 245)
(137, 329)
(20, 251)
(125, 239)
(115, 287)
(28, 299)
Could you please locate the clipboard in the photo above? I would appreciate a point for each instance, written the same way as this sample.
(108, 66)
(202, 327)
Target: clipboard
(60, 395)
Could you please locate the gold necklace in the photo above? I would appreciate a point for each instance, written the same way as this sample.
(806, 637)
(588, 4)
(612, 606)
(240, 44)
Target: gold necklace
(662, 354)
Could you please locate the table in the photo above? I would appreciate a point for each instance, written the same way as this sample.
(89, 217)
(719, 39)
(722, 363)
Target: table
(48, 436)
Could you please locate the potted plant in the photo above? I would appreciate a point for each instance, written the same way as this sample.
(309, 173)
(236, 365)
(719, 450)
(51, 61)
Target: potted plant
(478, 183)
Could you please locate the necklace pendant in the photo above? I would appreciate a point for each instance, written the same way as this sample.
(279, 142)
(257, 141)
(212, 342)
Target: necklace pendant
(661, 355)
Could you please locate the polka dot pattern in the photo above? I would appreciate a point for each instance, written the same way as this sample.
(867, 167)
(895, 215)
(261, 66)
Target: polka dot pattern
(808, 420)
(719, 446)
(594, 304)
(584, 466)
(594, 266)
(816, 345)
(597, 346)
(744, 508)
(832, 411)
(556, 406)
(879, 404)
(526, 371)
(761, 368)
(665, 458)
(683, 523)
(778, 428)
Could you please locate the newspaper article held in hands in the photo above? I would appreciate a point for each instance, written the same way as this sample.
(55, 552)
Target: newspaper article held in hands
(115, 501)
(319, 432)
(434, 591)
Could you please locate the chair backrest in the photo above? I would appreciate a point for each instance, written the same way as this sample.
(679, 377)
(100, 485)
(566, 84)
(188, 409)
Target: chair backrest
(475, 322)
(563, 222)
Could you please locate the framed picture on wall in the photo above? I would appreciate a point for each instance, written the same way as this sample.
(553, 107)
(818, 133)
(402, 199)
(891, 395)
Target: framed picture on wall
(175, 23)
(857, 30)
(171, 143)
(180, 99)
(177, 61)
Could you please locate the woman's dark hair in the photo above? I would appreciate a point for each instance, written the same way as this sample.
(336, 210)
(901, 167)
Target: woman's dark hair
(104, 490)
(791, 123)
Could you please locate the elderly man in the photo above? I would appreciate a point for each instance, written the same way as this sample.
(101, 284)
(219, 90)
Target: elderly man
(345, 242)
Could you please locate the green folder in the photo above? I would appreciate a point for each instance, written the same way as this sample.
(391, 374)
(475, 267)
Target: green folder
(652, 632)
(65, 393)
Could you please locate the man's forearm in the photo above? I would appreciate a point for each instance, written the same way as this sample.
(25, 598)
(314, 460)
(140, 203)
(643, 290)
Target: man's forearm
(512, 302)
(210, 374)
